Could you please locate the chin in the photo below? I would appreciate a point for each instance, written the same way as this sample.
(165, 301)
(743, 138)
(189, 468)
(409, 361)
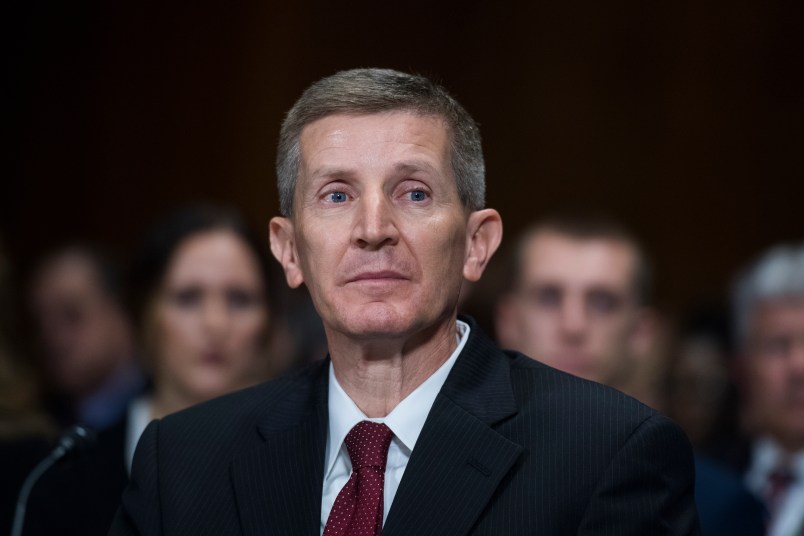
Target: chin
(377, 321)
(376, 329)
(203, 393)
(212, 388)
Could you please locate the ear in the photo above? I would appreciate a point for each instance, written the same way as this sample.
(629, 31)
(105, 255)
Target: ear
(283, 246)
(483, 236)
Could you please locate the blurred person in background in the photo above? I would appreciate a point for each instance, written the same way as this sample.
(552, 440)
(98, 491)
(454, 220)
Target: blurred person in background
(769, 322)
(200, 292)
(297, 335)
(20, 413)
(702, 393)
(84, 337)
(579, 289)
(577, 299)
(25, 430)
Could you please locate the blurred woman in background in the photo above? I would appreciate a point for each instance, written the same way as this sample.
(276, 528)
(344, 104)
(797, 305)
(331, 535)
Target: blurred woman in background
(200, 295)
(200, 291)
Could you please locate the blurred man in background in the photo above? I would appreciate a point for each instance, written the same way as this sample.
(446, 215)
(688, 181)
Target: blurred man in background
(701, 389)
(578, 300)
(84, 337)
(769, 315)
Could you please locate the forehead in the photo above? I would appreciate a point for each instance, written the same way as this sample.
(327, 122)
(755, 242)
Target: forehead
(212, 256)
(70, 272)
(578, 262)
(373, 140)
(780, 314)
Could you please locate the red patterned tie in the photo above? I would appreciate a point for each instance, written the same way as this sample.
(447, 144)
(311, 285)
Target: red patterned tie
(779, 482)
(358, 509)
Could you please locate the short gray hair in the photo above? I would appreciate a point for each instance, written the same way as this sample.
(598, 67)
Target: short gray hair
(777, 274)
(372, 91)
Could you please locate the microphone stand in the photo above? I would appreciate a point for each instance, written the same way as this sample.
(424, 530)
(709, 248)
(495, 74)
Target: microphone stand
(75, 438)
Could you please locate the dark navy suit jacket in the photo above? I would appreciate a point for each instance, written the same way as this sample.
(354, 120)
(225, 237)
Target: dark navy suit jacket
(724, 504)
(510, 447)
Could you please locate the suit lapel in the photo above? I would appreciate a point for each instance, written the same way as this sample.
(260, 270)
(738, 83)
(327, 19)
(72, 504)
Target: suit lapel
(459, 459)
(278, 485)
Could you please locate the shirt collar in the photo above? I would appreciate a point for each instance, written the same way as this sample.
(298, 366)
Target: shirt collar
(767, 457)
(406, 420)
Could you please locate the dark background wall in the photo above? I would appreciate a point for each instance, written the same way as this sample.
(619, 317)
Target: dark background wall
(684, 119)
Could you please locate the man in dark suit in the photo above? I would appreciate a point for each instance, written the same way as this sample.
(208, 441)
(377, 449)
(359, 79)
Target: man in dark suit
(416, 423)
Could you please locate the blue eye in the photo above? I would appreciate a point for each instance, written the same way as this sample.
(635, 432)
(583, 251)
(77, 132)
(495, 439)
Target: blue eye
(337, 197)
(417, 195)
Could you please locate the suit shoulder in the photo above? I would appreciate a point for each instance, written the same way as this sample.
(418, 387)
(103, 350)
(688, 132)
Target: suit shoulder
(230, 413)
(543, 388)
(589, 421)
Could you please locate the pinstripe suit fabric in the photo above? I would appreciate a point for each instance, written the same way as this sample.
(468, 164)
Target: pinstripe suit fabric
(510, 446)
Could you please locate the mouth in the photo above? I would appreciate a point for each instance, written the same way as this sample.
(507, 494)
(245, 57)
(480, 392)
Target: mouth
(214, 358)
(384, 276)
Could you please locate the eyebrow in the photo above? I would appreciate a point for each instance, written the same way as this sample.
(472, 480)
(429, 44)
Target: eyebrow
(408, 166)
(412, 166)
(335, 172)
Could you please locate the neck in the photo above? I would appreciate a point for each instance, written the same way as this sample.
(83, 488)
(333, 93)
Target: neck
(791, 445)
(378, 375)
(165, 402)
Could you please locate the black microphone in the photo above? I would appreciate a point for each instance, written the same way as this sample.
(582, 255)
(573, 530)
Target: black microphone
(75, 440)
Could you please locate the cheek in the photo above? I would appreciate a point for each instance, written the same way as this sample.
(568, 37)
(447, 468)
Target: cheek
(614, 332)
(249, 332)
(535, 324)
(539, 321)
(766, 384)
(175, 337)
(768, 376)
(319, 259)
(536, 330)
(444, 246)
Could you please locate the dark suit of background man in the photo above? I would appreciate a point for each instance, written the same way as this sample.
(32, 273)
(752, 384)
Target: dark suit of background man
(381, 182)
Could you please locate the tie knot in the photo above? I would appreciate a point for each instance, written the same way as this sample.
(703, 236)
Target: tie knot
(779, 482)
(368, 443)
(781, 477)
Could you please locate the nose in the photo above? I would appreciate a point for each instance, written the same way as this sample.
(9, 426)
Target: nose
(215, 318)
(574, 320)
(374, 225)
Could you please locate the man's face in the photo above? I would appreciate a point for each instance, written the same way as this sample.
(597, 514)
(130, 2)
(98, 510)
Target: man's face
(379, 234)
(574, 306)
(83, 334)
(775, 364)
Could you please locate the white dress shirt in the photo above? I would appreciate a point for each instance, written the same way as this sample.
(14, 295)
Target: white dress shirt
(406, 421)
(139, 415)
(767, 456)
